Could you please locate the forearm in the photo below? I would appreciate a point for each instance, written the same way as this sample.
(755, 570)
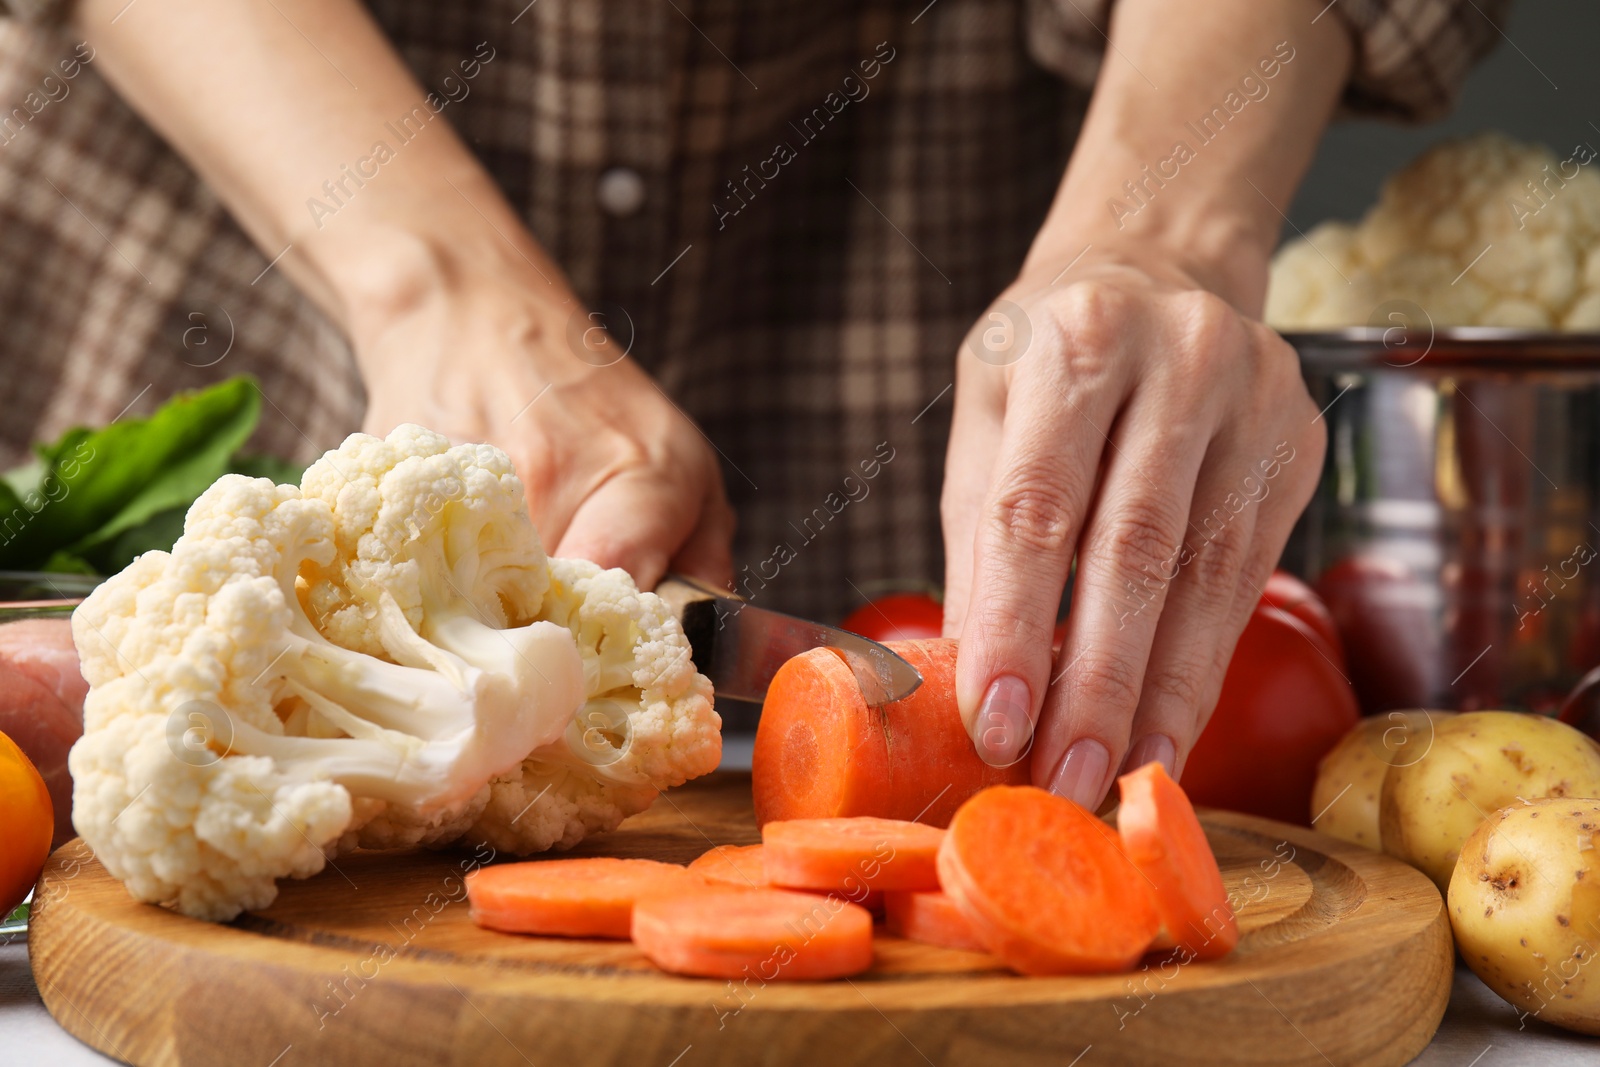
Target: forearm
(282, 106)
(1203, 122)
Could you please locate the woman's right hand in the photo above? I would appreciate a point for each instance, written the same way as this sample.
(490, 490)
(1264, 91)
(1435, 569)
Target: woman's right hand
(458, 319)
(615, 471)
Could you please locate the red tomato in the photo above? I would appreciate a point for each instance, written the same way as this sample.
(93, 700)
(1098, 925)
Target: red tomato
(1385, 617)
(1287, 593)
(897, 617)
(1283, 706)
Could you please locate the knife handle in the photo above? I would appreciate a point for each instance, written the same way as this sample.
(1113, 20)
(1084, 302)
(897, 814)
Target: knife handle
(680, 591)
(696, 605)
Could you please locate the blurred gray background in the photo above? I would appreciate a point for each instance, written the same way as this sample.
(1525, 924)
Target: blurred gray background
(1541, 83)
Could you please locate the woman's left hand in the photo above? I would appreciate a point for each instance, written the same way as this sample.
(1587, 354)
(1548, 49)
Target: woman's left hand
(1124, 415)
(1120, 405)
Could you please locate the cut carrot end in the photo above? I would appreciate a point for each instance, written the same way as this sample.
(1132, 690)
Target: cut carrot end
(763, 934)
(813, 715)
(1045, 885)
(821, 752)
(849, 856)
(931, 917)
(591, 897)
(1164, 839)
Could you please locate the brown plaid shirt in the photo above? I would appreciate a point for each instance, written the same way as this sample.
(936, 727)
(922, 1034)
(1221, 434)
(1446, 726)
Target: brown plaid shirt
(806, 314)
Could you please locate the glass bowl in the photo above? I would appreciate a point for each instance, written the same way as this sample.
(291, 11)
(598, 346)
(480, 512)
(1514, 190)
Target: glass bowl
(25, 595)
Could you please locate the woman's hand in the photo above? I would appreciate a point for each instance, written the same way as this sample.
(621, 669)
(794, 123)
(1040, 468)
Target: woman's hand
(459, 320)
(1130, 417)
(1120, 405)
(615, 472)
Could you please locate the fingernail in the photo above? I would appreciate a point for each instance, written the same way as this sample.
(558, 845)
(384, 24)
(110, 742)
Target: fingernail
(1152, 748)
(1081, 772)
(1003, 725)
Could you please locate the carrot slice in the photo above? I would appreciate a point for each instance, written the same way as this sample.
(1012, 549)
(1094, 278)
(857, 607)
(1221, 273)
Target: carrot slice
(821, 752)
(737, 865)
(1162, 837)
(1045, 884)
(846, 855)
(592, 897)
(930, 917)
(744, 865)
(767, 934)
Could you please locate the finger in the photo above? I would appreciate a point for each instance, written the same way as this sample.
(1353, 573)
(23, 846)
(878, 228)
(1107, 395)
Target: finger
(636, 521)
(1126, 562)
(1197, 631)
(1027, 528)
(708, 553)
(975, 431)
(1247, 502)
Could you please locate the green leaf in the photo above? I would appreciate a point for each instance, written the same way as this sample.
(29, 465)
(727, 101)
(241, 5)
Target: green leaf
(282, 471)
(159, 531)
(99, 484)
(14, 521)
(67, 563)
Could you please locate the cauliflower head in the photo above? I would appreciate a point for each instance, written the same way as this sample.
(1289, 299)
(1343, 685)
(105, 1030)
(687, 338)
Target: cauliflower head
(1424, 242)
(382, 657)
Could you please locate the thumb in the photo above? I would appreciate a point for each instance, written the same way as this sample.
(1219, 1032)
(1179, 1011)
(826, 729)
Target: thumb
(708, 552)
(633, 521)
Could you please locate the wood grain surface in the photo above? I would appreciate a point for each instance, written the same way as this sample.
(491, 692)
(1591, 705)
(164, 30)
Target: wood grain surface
(1346, 958)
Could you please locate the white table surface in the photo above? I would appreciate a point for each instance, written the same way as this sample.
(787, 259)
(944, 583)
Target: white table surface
(1479, 1029)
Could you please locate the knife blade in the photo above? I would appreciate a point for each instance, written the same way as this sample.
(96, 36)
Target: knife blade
(740, 646)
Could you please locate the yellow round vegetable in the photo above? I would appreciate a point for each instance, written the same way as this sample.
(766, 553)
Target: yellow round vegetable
(27, 820)
(1479, 762)
(1344, 801)
(1525, 907)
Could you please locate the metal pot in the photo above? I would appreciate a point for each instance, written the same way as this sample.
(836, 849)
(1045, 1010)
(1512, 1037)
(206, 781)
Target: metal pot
(1456, 530)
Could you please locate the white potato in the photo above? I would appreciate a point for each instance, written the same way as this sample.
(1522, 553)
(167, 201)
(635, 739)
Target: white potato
(1344, 801)
(1525, 907)
(1479, 762)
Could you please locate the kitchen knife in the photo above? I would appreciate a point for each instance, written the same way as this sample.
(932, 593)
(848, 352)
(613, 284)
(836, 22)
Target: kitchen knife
(740, 646)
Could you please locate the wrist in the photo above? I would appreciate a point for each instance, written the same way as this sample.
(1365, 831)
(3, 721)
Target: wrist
(392, 259)
(1220, 252)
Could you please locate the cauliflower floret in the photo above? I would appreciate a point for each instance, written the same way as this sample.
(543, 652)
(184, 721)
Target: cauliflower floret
(1477, 232)
(647, 722)
(384, 657)
(445, 530)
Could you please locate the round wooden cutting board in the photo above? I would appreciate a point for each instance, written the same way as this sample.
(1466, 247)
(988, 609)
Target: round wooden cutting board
(1346, 958)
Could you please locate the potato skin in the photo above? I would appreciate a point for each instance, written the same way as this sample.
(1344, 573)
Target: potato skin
(1344, 801)
(1525, 908)
(1480, 761)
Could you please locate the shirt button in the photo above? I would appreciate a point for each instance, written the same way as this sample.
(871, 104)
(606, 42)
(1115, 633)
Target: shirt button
(620, 191)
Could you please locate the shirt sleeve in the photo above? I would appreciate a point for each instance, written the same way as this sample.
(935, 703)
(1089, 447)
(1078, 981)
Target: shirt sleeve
(1411, 56)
